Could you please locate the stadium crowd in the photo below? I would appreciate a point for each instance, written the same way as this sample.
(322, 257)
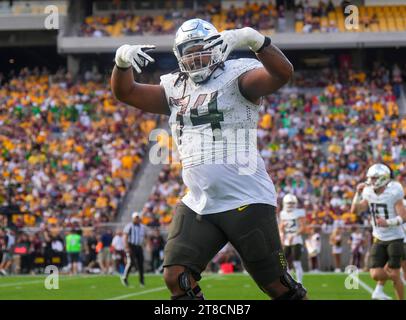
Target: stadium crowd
(266, 17)
(68, 149)
(325, 17)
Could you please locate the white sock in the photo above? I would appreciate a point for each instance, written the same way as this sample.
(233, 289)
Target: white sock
(379, 288)
(298, 271)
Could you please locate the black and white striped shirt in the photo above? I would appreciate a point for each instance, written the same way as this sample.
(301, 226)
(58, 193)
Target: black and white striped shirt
(135, 233)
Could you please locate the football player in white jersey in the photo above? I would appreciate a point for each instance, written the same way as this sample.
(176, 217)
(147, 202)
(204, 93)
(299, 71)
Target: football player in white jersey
(213, 108)
(384, 199)
(292, 227)
(404, 252)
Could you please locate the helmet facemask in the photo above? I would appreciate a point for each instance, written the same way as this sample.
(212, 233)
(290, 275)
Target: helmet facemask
(378, 176)
(196, 62)
(378, 181)
(290, 206)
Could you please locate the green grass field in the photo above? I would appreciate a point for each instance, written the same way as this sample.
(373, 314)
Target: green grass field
(328, 286)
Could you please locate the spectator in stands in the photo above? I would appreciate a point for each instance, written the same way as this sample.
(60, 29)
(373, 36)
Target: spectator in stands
(90, 243)
(36, 252)
(336, 241)
(118, 247)
(7, 241)
(73, 249)
(356, 242)
(157, 243)
(313, 246)
(299, 15)
(104, 255)
(281, 19)
(3, 252)
(56, 248)
(22, 256)
(330, 6)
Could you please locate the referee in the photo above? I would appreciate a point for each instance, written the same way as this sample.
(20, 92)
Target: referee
(134, 233)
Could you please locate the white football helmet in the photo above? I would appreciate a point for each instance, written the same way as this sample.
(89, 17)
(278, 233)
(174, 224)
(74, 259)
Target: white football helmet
(378, 175)
(198, 64)
(289, 202)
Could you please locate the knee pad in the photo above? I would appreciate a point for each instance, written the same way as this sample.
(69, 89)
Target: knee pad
(193, 295)
(185, 285)
(296, 290)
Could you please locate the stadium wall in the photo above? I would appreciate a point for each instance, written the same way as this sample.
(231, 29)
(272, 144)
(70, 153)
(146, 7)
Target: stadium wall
(283, 41)
(384, 2)
(11, 22)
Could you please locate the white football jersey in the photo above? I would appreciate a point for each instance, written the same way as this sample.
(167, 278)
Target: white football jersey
(404, 225)
(215, 131)
(383, 206)
(290, 226)
(404, 230)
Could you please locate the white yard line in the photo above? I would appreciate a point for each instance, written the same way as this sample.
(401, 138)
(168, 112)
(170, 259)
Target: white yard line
(137, 293)
(365, 286)
(5, 285)
(13, 284)
(330, 273)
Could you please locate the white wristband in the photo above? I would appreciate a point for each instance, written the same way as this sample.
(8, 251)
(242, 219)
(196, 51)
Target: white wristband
(255, 38)
(394, 221)
(120, 57)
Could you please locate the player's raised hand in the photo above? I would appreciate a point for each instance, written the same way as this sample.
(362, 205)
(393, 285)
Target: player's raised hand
(135, 56)
(230, 40)
(360, 187)
(380, 222)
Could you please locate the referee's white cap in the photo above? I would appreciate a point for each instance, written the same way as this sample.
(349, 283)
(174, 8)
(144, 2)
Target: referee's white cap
(136, 214)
